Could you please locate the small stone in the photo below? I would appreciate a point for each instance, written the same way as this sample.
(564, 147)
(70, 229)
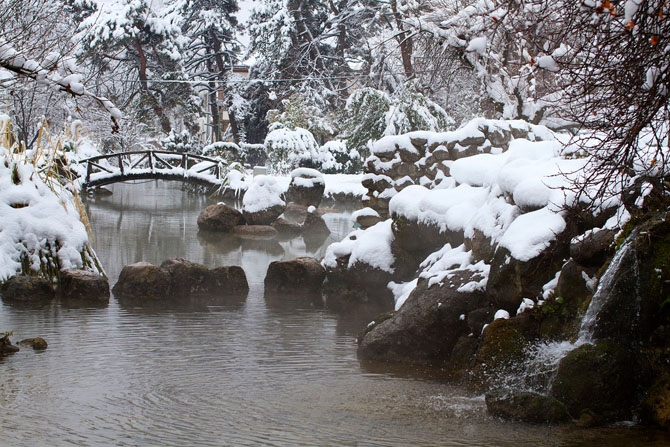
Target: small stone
(37, 343)
(527, 407)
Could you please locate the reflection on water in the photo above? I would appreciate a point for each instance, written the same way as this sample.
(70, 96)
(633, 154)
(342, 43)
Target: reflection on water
(260, 373)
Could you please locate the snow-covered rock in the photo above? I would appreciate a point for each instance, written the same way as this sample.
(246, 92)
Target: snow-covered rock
(263, 202)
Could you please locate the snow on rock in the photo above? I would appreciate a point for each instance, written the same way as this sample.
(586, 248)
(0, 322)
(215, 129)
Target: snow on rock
(265, 192)
(307, 177)
(501, 314)
(402, 291)
(371, 247)
(441, 265)
(531, 233)
(447, 209)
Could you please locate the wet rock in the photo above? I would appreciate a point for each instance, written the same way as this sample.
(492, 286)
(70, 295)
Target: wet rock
(6, 346)
(142, 281)
(255, 232)
(527, 407)
(263, 217)
(27, 289)
(219, 217)
(353, 299)
(502, 350)
(37, 343)
(426, 328)
(600, 378)
(461, 356)
(636, 285)
(230, 280)
(478, 318)
(82, 285)
(300, 276)
(593, 249)
(287, 229)
(656, 405)
(306, 187)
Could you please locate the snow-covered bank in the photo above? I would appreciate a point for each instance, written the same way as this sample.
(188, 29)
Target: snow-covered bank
(42, 230)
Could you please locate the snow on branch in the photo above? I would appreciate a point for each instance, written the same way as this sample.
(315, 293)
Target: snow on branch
(13, 61)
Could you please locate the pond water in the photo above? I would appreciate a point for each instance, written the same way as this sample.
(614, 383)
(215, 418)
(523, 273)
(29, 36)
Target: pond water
(260, 373)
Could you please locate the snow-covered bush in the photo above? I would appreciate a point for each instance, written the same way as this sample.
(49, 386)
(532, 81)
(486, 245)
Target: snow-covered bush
(286, 148)
(340, 159)
(181, 142)
(300, 113)
(224, 150)
(372, 114)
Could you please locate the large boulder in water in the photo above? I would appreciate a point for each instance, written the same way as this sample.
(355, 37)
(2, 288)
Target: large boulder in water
(219, 217)
(263, 202)
(82, 285)
(190, 279)
(27, 289)
(298, 276)
(306, 187)
(426, 328)
(142, 281)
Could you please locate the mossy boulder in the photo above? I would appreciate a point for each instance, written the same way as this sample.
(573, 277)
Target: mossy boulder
(600, 378)
(502, 350)
(527, 407)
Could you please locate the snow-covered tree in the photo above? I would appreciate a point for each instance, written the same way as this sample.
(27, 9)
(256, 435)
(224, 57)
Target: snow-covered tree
(212, 48)
(139, 54)
(372, 114)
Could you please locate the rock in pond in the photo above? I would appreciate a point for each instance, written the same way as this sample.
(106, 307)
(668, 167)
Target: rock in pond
(298, 276)
(142, 281)
(527, 407)
(219, 217)
(426, 328)
(263, 202)
(306, 187)
(256, 232)
(82, 285)
(27, 289)
(179, 278)
(37, 343)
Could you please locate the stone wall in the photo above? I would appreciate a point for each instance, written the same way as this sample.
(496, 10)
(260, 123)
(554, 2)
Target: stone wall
(423, 158)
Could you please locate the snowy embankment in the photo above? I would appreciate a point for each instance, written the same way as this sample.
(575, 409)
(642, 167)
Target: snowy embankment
(42, 231)
(488, 195)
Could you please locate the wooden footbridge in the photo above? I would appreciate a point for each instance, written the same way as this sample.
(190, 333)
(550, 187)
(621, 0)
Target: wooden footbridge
(152, 164)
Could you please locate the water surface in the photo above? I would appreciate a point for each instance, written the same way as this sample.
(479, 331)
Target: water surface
(261, 373)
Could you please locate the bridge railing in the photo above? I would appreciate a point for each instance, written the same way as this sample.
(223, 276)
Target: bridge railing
(153, 159)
